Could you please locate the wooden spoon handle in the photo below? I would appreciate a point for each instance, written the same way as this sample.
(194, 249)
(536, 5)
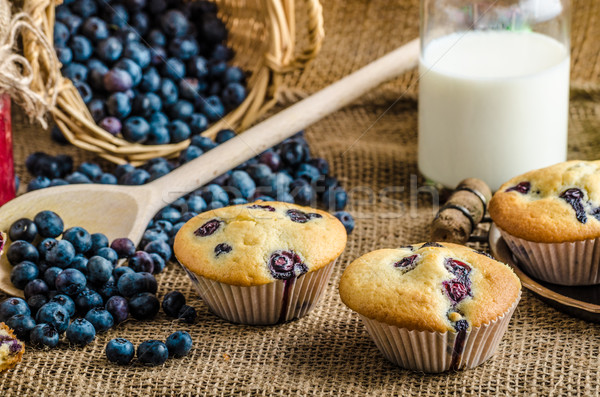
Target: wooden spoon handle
(284, 124)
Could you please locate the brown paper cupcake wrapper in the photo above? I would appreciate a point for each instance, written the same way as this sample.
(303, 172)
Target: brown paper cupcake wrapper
(434, 351)
(569, 263)
(276, 302)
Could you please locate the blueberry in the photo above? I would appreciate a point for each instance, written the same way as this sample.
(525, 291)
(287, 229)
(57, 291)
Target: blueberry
(216, 71)
(181, 110)
(168, 91)
(271, 159)
(20, 251)
(158, 56)
(233, 74)
(198, 67)
(212, 107)
(574, 197)
(107, 179)
(279, 183)
(50, 276)
(179, 344)
(120, 351)
(81, 47)
(35, 302)
(214, 192)
(37, 183)
(212, 29)
(99, 270)
(243, 183)
(144, 306)
(303, 192)
(110, 49)
(198, 123)
(165, 226)
(159, 118)
(138, 53)
(346, 219)
(117, 80)
(81, 332)
(47, 166)
(35, 287)
(23, 229)
(140, 22)
(224, 136)
(84, 8)
(75, 72)
(158, 262)
(187, 314)
(294, 152)
(11, 306)
(158, 135)
(190, 153)
(108, 254)
(65, 302)
(159, 247)
(119, 105)
(32, 160)
(522, 187)
(233, 95)
(258, 171)
(183, 48)
(308, 172)
(150, 80)
(70, 282)
(117, 15)
(97, 109)
(118, 307)
(119, 271)
(61, 34)
(285, 265)
(156, 38)
(44, 335)
(111, 124)
(169, 214)
(190, 88)
(21, 324)
(77, 177)
(141, 262)
(130, 284)
(124, 247)
(72, 22)
(196, 203)
(61, 254)
(53, 314)
(154, 234)
(94, 29)
(87, 300)
(456, 290)
(176, 228)
(136, 129)
(100, 318)
(78, 236)
(23, 273)
(173, 68)
(137, 177)
(335, 198)
(174, 23)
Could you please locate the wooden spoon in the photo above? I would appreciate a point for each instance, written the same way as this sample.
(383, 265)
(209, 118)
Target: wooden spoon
(124, 211)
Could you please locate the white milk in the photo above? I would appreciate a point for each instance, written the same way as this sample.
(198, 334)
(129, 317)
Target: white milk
(492, 105)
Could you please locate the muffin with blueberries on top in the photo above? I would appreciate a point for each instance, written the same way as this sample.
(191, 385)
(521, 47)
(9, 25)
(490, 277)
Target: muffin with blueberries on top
(432, 307)
(260, 263)
(550, 219)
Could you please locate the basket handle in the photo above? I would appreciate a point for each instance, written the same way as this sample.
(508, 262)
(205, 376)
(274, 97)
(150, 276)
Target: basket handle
(282, 57)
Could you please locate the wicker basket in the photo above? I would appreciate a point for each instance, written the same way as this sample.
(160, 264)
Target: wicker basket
(263, 35)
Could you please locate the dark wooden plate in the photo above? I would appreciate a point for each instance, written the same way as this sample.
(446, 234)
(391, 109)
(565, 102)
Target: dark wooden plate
(582, 302)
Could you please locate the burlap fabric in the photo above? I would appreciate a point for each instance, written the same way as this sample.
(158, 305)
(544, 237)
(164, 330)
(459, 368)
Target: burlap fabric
(371, 145)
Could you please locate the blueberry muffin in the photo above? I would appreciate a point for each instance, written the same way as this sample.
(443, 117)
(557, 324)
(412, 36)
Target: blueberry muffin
(550, 219)
(11, 349)
(260, 263)
(432, 307)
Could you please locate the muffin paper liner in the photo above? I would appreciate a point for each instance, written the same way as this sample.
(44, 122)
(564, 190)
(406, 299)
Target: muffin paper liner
(428, 351)
(568, 263)
(264, 304)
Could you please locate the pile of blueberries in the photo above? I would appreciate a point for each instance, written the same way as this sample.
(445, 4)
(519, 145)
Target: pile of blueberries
(151, 352)
(286, 172)
(77, 277)
(150, 71)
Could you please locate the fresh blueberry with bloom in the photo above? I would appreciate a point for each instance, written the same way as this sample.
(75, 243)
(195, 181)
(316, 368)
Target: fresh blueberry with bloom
(81, 332)
(179, 344)
(120, 351)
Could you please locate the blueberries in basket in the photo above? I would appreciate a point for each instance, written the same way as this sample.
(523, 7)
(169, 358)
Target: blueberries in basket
(109, 49)
(150, 80)
(178, 130)
(120, 351)
(81, 332)
(173, 69)
(119, 105)
(116, 15)
(136, 129)
(94, 29)
(111, 124)
(117, 80)
(158, 135)
(174, 23)
(168, 91)
(212, 108)
(179, 344)
(84, 8)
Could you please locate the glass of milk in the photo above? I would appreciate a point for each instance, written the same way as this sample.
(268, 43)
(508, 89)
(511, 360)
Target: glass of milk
(494, 88)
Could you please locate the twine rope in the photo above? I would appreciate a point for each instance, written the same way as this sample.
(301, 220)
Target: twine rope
(16, 73)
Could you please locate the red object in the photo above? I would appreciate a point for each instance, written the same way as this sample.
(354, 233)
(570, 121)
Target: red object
(7, 170)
